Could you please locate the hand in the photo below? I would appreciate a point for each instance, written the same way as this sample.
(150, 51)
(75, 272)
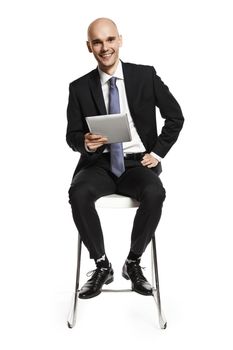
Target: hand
(149, 161)
(93, 141)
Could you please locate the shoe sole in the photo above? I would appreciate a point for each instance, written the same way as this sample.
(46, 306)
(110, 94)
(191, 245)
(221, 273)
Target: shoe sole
(110, 280)
(125, 276)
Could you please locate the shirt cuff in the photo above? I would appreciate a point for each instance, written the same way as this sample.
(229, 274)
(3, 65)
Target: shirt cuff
(156, 156)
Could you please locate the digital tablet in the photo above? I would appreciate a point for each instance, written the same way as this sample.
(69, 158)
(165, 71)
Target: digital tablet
(114, 126)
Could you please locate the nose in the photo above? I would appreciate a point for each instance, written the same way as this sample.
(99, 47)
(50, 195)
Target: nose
(105, 46)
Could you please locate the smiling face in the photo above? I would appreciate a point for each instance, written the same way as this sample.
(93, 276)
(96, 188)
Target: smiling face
(104, 42)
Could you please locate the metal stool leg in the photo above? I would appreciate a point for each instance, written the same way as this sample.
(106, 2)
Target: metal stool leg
(73, 312)
(155, 284)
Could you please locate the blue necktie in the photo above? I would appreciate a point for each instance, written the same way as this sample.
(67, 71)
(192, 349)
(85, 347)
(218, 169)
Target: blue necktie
(116, 149)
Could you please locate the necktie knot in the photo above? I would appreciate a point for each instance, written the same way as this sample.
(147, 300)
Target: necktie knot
(112, 82)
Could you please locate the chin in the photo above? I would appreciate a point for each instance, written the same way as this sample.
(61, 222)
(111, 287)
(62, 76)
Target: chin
(109, 63)
(106, 65)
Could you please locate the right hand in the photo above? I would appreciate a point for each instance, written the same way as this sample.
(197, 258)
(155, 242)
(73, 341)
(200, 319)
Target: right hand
(94, 141)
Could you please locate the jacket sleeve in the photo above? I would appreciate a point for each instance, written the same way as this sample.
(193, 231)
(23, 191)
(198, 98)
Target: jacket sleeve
(75, 127)
(171, 112)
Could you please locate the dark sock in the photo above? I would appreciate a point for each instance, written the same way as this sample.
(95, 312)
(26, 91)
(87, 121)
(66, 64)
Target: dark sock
(132, 257)
(102, 262)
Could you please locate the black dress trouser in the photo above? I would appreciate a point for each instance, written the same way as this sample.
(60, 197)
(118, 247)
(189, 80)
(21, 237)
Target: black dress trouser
(138, 182)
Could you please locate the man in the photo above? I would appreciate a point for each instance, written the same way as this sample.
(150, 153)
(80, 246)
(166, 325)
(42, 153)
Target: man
(132, 168)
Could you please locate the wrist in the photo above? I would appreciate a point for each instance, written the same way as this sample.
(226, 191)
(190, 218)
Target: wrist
(156, 156)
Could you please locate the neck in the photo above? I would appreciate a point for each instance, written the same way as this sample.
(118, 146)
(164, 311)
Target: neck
(110, 70)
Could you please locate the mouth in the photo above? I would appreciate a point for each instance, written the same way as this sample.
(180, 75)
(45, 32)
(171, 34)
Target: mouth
(106, 55)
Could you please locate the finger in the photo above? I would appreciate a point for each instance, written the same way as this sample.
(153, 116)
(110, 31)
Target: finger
(146, 156)
(96, 137)
(146, 165)
(93, 137)
(148, 160)
(145, 162)
(99, 140)
(103, 140)
(93, 145)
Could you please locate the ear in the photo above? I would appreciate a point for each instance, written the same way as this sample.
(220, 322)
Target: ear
(120, 40)
(89, 46)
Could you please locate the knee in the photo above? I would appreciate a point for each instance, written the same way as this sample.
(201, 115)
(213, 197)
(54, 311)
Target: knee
(154, 195)
(79, 194)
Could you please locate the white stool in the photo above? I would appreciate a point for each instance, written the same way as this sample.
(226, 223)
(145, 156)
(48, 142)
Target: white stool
(118, 201)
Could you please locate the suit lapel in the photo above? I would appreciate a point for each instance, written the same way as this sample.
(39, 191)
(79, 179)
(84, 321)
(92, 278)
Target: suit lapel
(96, 91)
(132, 88)
(129, 86)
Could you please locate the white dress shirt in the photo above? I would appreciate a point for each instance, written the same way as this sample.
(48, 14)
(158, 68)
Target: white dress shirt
(135, 145)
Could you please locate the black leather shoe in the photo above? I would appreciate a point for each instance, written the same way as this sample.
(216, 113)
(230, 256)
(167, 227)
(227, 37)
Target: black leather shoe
(133, 271)
(93, 286)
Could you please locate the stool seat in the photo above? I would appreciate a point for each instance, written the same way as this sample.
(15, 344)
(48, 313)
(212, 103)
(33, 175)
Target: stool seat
(116, 201)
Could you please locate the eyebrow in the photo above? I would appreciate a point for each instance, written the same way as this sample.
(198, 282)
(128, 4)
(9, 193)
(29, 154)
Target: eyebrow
(108, 38)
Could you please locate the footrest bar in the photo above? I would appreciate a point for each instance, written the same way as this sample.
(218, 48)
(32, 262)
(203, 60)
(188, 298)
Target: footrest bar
(117, 290)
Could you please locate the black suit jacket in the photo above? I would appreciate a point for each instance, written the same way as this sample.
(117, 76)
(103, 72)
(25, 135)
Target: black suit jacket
(144, 90)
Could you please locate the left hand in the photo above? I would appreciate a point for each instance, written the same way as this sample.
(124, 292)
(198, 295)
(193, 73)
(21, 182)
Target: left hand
(149, 161)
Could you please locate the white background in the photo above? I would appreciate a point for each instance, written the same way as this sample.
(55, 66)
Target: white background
(42, 50)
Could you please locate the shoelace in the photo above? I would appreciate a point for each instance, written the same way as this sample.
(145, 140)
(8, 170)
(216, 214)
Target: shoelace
(97, 275)
(136, 272)
(92, 272)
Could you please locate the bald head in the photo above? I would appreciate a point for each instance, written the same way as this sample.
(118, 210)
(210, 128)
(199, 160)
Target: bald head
(101, 23)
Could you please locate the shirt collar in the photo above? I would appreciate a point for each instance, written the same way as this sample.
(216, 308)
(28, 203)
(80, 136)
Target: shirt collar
(104, 77)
